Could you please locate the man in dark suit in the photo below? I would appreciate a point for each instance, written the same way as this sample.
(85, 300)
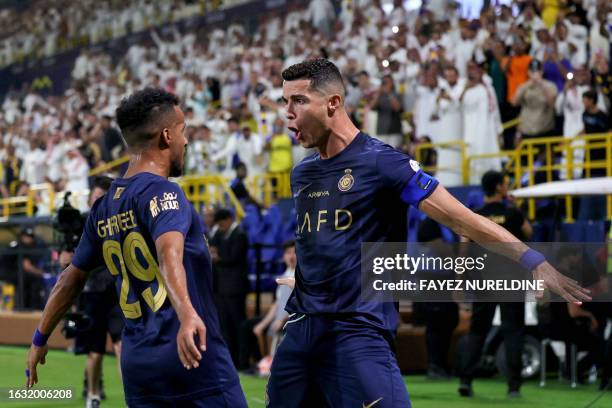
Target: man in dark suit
(228, 250)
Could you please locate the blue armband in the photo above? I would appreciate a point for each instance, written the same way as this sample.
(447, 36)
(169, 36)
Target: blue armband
(39, 339)
(531, 259)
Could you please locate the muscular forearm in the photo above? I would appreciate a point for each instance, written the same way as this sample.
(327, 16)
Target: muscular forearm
(173, 274)
(489, 234)
(63, 295)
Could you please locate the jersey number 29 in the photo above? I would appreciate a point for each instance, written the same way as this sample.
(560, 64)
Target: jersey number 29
(127, 258)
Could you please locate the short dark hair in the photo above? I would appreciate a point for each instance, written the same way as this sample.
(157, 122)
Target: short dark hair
(223, 214)
(451, 68)
(103, 182)
(141, 114)
(490, 180)
(322, 74)
(591, 94)
(288, 244)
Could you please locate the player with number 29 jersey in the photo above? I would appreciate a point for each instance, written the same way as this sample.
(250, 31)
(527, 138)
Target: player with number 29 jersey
(120, 233)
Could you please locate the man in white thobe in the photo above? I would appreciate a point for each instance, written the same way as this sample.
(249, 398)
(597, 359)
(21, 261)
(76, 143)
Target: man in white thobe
(450, 127)
(481, 125)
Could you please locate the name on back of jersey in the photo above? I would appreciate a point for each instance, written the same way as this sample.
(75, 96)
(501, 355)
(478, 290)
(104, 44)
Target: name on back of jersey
(116, 223)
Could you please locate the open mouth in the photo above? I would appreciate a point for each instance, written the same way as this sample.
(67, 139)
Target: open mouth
(296, 133)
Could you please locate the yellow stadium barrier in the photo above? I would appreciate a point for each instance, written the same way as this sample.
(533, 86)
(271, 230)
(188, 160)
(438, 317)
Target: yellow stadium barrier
(109, 166)
(203, 191)
(451, 144)
(268, 188)
(14, 206)
(511, 123)
(520, 162)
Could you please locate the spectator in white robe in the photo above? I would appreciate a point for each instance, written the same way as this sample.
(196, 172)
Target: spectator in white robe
(448, 105)
(481, 124)
(426, 120)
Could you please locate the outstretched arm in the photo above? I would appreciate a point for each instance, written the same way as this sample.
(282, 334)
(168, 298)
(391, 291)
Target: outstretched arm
(63, 295)
(169, 248)
(447, 210)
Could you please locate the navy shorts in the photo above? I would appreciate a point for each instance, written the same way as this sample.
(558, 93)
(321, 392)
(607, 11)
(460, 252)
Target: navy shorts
(343, 363)
(232, 397)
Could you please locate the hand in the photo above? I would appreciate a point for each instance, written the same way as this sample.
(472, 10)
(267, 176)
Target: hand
(35, 355)
(191, 326)
(65, 258)
(214, 253)
(567, 288)
(258, 329)
(286, 281)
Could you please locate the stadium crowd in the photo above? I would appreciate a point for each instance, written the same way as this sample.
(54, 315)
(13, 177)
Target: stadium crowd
(412, 77)
(47, 27)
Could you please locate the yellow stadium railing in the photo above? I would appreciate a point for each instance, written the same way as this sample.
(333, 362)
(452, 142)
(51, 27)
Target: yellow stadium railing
(109, 166)
(268, 188)
(203, 191)
(459, 145)
(511, 123)
(25, 205)
(200, 190)
(521, 162)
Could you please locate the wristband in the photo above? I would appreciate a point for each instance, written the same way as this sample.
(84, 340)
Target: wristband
(39, 339)
(531, 259)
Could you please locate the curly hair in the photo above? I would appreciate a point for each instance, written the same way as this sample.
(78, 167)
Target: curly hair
(141, 114)
(322, 73)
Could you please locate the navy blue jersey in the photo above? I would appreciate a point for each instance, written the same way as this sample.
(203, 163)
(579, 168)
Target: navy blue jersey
(359, 195)
(120, 233)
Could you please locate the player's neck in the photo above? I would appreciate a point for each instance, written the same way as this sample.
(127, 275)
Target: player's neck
(340, 137)
(143, 162)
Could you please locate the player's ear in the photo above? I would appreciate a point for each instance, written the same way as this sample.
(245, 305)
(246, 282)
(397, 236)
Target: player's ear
(333, 104)
(165, 137)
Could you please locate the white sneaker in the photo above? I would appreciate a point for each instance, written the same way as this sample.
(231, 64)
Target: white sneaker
(93, 401)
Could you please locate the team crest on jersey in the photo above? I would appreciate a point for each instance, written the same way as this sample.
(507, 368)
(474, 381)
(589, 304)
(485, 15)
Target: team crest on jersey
(118, 193)
(346, 182)
(154, 207)
(414, 165)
